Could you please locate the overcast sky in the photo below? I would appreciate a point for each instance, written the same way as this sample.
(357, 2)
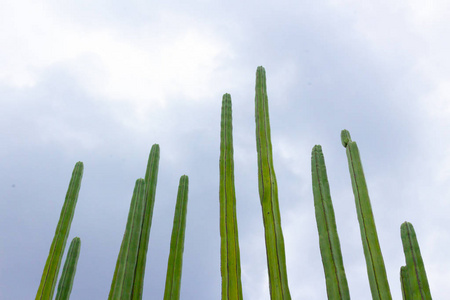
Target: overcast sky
(101, 81)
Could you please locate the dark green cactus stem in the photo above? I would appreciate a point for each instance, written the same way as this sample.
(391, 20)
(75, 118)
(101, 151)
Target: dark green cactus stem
(51, 269)
(376, 270)
(124, 274)
(330, 249)
(268, 192)
(230, 265)
(69, 269)
(414, 264)
(175, 264)
(406, 285)
(151, 176)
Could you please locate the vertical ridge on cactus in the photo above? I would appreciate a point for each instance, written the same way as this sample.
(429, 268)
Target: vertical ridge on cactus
(124, 274)
(69, 269)
(230, 265)
(330, 249)
(268, 192)
(405, 284)
(414, 263)
(52, 265)
(151, 176)
(175, 263)
(376, 270)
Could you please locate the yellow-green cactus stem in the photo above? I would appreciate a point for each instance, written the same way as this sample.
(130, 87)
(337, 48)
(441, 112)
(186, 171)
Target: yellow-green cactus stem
(68, 274)
(376, 270)
(268, 192)
(51, 269)
(330, 248)
(124, 274)
(230, 265)
(404, 281)
(414, 264)
(175, 264)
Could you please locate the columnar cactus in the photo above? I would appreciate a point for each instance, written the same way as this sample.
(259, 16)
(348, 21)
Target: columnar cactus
(405, 284)
(230, 265)
(69, 269)
(124, 274)
(416, 274)
(268, 192)
(51, 269)
(379, 285)
(175, 264)
(330, 249)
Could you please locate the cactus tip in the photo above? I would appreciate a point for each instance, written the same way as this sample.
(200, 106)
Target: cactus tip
(345, 137)
(317, 148)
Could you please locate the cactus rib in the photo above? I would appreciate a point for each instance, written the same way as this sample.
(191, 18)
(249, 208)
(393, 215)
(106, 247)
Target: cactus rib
(175, 263)
(229, 250)
(52, 265)
(276, 260)
(330, 249)
(379, 285)
(69, 269)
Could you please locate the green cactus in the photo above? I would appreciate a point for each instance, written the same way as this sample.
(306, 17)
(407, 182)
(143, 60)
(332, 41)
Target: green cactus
(330, 249)
(69, 269)
(406, 285)
(414, 264)
(175, 264)
(124, 274)
(51, 269)
(230, 265)
(379, 285)
(268, 192)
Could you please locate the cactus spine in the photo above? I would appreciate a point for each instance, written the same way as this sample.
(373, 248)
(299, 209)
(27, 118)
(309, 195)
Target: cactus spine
(230, 265)
(406, 285)
(124, 274)
(51, 269)
(69, 269)
(414, 264)
(330, 249)
(175, 264)
(379, 285)
(268, 192)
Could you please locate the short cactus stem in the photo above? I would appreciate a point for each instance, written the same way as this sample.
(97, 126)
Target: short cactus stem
(69, 269)
(230, 265)
(175, 264)
(330, 249)
(414, 264)
(405, 284)
(51, 269)
(268, 192)
(376, 270)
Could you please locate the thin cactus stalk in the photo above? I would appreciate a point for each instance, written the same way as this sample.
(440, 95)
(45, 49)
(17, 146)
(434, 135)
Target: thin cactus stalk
(51, 269)
(151, 176)
(406, 285)
(414, 264)
(330, 249)
(175, 264)
(230, 265)
(268, 192)
(69, 269)
(124, 274)
(376, 270)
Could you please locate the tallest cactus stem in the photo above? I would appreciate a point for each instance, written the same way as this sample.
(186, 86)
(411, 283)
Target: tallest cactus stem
(376, 270)
(268, 192)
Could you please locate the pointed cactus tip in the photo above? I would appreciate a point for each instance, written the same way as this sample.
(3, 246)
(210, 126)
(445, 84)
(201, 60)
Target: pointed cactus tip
(345, 138)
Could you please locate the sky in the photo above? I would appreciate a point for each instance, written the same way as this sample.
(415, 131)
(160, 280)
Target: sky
(102, 81)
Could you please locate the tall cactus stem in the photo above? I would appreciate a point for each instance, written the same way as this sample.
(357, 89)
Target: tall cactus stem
(414, 263)
(268, 192)
(175, 263)
(230, 265)
(68, 274)
(330, 249)
(405, 284)
(51, 269)
(124, 274)
(376, 270)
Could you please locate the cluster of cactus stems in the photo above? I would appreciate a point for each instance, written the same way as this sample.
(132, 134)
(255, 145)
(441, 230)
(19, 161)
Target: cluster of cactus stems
(128, 277)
